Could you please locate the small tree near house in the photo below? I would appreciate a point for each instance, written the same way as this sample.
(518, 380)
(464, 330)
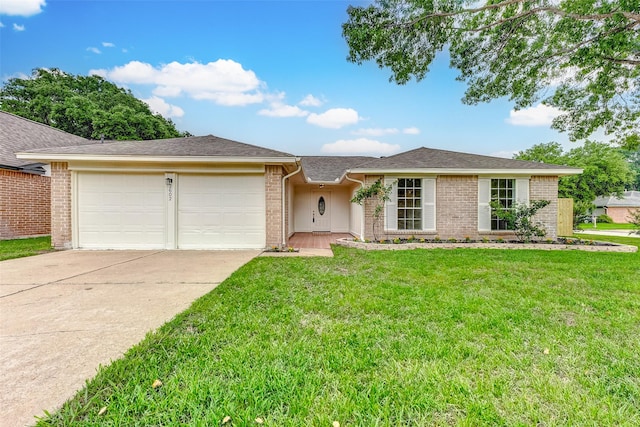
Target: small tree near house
(519, 218)
(379, 194)
(634, 218)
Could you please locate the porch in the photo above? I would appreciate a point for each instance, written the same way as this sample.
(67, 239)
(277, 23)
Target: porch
(316, 240)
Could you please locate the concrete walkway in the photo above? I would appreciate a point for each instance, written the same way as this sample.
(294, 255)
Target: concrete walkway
(63, 314)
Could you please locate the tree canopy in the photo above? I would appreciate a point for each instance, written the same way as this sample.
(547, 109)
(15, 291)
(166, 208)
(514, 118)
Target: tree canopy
(606, 171)
(87, 106)
(580, 56)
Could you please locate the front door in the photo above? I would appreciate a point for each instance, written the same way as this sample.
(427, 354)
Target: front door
(321, 211)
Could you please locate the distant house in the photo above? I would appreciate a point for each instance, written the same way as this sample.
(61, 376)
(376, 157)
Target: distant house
(25, 203)
(618, 209)
(208, 192)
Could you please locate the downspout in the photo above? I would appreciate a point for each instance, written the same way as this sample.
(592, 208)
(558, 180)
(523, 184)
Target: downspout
(346, 175)
(284, 199)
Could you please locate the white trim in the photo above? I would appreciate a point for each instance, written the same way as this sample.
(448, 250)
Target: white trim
(462, 171)
(429, 192)
(155, 159)
(146, 169)
(171, 209)
(75, 232)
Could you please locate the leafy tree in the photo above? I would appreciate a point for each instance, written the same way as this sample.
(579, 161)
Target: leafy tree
(519, 218)
(605, 172)
(633, 157)
(87, 106)
(586, 51)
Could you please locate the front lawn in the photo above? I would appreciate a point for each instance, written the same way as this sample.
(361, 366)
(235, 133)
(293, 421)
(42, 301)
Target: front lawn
(605, 226)
(385, 338)
(19, 248)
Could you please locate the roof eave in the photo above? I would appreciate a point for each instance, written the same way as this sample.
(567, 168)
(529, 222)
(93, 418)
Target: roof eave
(156, 159)
(470, 171)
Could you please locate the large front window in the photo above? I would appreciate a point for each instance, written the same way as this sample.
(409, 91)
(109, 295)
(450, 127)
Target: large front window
(409, 204)
(504, 192)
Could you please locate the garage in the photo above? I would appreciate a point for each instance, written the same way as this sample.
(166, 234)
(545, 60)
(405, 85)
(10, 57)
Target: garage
(221, 212)
(121, 211)
(197, 211)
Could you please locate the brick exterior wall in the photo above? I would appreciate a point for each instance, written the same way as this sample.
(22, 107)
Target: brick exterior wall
(457, 209)
(369, 208)
(620, 214)
(273, 193)
(60, 205)
(25, 204)
(457, 206)
(546, 188)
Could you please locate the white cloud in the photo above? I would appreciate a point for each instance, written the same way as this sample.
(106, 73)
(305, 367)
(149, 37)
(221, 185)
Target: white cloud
(94, 50)
(108, 44)
(1, 24)
(162, 107)
(411, 131)
(540, 115)
(224, 81)
(17, 27)
(21, 7)
(375, 131)
(334, 118)
(311, 101)
(360, 146)
(282, 110)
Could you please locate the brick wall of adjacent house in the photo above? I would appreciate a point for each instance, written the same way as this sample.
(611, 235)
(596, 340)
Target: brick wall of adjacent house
(60, 205)
(25, 204)
(273, 191)
(620, 214)
(546, 188)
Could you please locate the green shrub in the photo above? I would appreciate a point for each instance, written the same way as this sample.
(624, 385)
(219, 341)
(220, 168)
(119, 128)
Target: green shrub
(605, 219)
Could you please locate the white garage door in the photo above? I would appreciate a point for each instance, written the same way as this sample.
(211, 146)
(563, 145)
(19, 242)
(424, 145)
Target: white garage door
(221, 212)
(121, 211)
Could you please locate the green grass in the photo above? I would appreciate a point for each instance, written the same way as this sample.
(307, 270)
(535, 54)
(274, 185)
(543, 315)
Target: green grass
(632, 241)
(383, 338)
(19, 248)
(605, 226)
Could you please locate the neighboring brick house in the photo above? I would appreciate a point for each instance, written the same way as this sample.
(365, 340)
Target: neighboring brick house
(25, 185)
(212, 193)
(619, 209)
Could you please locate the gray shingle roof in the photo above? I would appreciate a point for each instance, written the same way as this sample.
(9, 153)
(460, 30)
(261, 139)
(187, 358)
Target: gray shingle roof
(329, 168)
(629, 199)
(429, 158)
(18, 134)
(193, 146)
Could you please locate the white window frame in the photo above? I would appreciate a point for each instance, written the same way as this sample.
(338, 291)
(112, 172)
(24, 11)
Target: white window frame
(427, 198)
(484, 198)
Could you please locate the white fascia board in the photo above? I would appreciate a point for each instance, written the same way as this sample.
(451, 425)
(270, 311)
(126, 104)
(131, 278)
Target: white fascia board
(154, 159)
(485, 172)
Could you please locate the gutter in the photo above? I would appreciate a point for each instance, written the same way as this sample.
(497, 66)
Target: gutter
(284, 179)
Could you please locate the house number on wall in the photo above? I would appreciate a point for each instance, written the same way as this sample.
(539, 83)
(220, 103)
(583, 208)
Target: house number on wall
(321, 205)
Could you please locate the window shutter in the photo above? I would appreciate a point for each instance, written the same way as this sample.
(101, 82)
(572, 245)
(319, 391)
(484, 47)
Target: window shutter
(428, 204)
(522, 190)
(391, 207)
(484, 197)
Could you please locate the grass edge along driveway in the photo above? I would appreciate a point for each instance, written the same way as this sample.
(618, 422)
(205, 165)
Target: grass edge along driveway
(422, 337)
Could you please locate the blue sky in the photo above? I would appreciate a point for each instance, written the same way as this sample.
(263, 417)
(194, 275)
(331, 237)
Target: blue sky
(270, 73)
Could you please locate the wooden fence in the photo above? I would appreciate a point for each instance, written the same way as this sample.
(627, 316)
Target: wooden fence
(565, 217)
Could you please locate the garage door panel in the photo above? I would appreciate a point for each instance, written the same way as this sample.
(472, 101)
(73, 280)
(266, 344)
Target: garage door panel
(217, 212)
(121, 211)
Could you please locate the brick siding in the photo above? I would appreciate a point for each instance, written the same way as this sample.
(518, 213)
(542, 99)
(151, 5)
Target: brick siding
(273, 193)
(25, 205)
(60, 205)
(457, 209)
(546, 188)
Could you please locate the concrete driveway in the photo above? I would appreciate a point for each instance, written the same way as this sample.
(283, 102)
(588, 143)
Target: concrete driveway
(65, 313)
